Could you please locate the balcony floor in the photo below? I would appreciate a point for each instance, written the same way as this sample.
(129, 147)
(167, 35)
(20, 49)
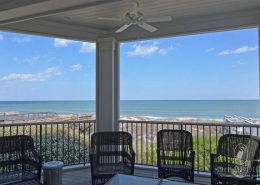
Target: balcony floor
(83, 176)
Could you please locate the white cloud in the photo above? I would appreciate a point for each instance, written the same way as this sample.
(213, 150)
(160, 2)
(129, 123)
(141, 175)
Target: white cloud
(39, 77)
(225, 52)
(76, 67)
(243, 49)
(61, 43)
(148, 49)
(30, 60)
(16, 76)
(164, 51)
(48, 73)
(47, 57)
(139, 50)
(1, 37)
(210, 50)
(19, 40)
(87, 47)
(143, 50)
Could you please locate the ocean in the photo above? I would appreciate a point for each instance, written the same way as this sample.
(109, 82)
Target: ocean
(157, 108)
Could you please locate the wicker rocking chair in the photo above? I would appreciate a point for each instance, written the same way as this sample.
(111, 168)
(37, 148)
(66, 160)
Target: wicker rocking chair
(175, 155)
(235, 161)
(111, 153)
(19, 161)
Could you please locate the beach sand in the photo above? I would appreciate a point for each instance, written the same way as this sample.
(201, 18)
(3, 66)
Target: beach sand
(15, 117)
(170, 119)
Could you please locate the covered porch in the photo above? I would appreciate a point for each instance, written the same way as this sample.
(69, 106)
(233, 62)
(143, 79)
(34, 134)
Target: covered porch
(79, 20)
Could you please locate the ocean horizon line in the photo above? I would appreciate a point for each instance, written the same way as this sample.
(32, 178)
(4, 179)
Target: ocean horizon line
(159, 108)
(135, 100)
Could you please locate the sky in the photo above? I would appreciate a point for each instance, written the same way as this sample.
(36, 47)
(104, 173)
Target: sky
(212, 66)
(42, 68)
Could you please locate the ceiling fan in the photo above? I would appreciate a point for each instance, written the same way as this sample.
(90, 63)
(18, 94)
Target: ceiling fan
(135, 17)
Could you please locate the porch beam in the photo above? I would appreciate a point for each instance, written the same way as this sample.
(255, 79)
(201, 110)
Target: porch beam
(107, 84)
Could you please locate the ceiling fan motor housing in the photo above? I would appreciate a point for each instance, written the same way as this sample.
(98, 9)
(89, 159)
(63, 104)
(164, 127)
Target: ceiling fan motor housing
(135, 17)
(133, 9)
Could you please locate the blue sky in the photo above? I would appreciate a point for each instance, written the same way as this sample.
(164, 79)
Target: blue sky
(222, 65)
(213, 66)
(41, 68)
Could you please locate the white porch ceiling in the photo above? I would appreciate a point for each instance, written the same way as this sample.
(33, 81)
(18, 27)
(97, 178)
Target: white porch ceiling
(77, 19)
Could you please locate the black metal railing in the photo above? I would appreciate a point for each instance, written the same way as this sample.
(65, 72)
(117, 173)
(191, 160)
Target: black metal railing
(205, 138)
(68, 141)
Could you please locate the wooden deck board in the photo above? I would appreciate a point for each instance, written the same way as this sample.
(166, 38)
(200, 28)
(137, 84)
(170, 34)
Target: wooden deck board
(83, 176)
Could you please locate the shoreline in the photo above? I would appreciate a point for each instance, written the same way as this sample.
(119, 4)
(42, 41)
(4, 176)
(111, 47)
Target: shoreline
(170, 119)
(43, 117)
(16, 117)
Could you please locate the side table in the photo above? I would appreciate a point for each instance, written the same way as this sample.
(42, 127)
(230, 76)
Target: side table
(52, 173)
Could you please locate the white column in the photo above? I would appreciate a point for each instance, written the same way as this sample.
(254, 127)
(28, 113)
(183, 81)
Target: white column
(107, 84)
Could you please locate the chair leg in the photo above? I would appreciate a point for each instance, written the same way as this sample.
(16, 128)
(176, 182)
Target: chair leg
(160, 173)
(192, 176)
(212, 181)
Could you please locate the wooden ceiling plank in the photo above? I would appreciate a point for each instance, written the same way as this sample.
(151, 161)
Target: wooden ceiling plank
(53, 12)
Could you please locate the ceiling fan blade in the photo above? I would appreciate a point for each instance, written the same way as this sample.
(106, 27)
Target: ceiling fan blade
(159, 19)
(110, 19)
(123, 28)
(147, 27)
